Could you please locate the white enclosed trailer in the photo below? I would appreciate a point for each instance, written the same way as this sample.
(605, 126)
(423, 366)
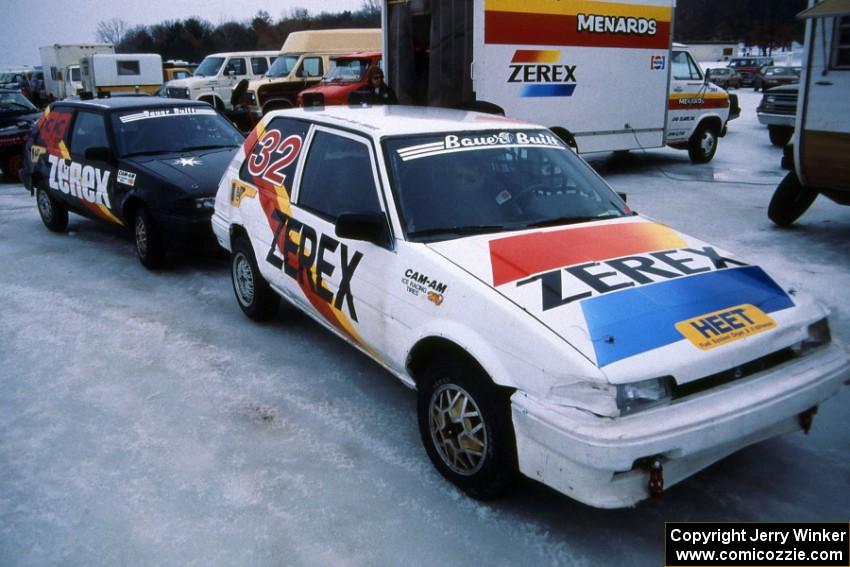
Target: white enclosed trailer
(602, 75)
(104, 74)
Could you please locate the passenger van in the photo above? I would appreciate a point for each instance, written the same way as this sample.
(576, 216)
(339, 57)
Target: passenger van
(823, 116)
(218, 73)
(304, 59)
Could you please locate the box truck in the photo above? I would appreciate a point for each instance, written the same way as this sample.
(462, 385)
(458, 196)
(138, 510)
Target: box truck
(61, 65)
(106, 73)
(603, 75)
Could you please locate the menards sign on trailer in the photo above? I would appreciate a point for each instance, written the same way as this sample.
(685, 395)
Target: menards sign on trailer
(600, 74)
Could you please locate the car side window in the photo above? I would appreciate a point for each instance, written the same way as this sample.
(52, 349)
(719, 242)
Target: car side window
(88, 132)
(338, 177)
(311, 67)
(259, 65)
(237, 66)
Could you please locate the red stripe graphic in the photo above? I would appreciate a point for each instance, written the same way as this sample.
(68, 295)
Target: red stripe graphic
(675, 104)
(520, 28)
(517, 257)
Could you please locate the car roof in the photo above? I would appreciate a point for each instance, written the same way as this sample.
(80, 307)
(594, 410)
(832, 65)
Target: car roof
(397, 120)
(125, 102)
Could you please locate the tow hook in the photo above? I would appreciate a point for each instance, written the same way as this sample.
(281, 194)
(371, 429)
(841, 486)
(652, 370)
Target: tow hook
(656, 476)
(806, 419)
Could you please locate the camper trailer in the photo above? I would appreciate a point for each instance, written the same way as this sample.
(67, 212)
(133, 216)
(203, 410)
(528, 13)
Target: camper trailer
(61, 65)
(104, 74)
(822, 126)
(604, 76)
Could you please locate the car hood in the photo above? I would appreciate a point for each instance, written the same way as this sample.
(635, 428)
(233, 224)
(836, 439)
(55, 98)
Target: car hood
(334, 90)
(634, 295)
(793, 88)
(13, 122)
(197, 173)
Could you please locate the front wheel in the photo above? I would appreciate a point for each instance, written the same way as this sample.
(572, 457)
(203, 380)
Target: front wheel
(703, 144)
(465, 425)
(780, 135)
(255, 297)
(13, 165)
(53, 214)
(790, 201)
(149, 246)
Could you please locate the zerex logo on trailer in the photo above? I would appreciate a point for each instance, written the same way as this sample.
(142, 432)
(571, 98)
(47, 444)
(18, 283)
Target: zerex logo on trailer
(542, 74)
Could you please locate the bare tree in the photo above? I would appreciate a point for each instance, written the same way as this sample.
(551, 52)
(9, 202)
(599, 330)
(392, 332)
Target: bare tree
(111, 31)
(371, 7)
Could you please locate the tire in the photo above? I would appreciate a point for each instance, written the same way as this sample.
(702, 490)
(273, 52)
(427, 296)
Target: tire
(149, 247)
(780, 135)
(53, 214)
(790, 201)
(253, 294)
(12, 166)
(486, 428)
(703, 143)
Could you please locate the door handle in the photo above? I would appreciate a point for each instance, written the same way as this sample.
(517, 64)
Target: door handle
(678, 89)
(824, 83)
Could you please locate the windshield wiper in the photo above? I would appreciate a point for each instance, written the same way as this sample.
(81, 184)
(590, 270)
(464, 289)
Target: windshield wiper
(150, 153)
(208, 147)
(456, 230)
(570, 220)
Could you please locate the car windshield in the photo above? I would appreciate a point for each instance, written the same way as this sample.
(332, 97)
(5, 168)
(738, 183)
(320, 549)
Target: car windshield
(172, 129)
(75, 74)
(451, 185)
(209, 67)
(720, 71)
(780, 71)
(282, 66)
(347, 71)
(15, 103)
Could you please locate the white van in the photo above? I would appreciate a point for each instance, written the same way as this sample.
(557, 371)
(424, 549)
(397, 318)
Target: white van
(304, 59)
(602, 75)
(822, 128)
(218, 73)
(103, 74)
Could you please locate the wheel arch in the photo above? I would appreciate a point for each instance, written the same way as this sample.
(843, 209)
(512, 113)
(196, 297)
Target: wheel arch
(709, 120)
(129, 208)
(428, 348)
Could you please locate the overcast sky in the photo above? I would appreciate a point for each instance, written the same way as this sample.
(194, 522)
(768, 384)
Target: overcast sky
(25, 25)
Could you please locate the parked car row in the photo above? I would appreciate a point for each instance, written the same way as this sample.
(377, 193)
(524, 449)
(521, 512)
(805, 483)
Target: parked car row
(398, 228)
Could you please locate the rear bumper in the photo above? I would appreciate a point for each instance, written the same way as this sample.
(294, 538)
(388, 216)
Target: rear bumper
(593, 459)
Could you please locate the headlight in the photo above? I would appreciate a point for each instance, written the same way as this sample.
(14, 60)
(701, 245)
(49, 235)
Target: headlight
(596, 397)
(205, 203)
(818, 335)
(638, 396)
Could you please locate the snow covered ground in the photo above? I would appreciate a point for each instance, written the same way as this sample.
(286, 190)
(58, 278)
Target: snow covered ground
(145, 420)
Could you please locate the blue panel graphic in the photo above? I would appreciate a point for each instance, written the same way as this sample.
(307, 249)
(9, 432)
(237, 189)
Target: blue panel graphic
(548, 90)
(644, 318)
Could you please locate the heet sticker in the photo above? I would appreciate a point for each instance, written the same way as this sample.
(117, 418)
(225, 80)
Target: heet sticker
(725, 326)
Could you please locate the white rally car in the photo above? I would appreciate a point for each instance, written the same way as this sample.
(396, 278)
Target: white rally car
(547, 328)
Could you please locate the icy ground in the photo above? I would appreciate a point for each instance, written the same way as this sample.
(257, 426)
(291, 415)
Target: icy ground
(145, 421)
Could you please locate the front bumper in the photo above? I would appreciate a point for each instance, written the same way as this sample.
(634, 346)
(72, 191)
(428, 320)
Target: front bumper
(185, 230)
(593, 459)
(769, 119)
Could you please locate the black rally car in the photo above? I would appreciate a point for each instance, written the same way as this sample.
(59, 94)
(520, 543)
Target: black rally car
(17, 116)
(150, 164)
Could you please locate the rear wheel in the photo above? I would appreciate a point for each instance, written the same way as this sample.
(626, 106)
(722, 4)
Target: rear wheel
(255, 297)
(149, 246)
(53, 214)
(465, 425)
(780, 135)
(703, 143)
(790, 201)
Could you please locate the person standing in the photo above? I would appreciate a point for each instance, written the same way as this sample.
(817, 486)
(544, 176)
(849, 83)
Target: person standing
(375, 91)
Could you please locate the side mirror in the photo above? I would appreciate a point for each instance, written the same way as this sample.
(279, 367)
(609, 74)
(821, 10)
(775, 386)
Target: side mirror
(369, 227)
(231, 72)
(622, 196)
(99, 153)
